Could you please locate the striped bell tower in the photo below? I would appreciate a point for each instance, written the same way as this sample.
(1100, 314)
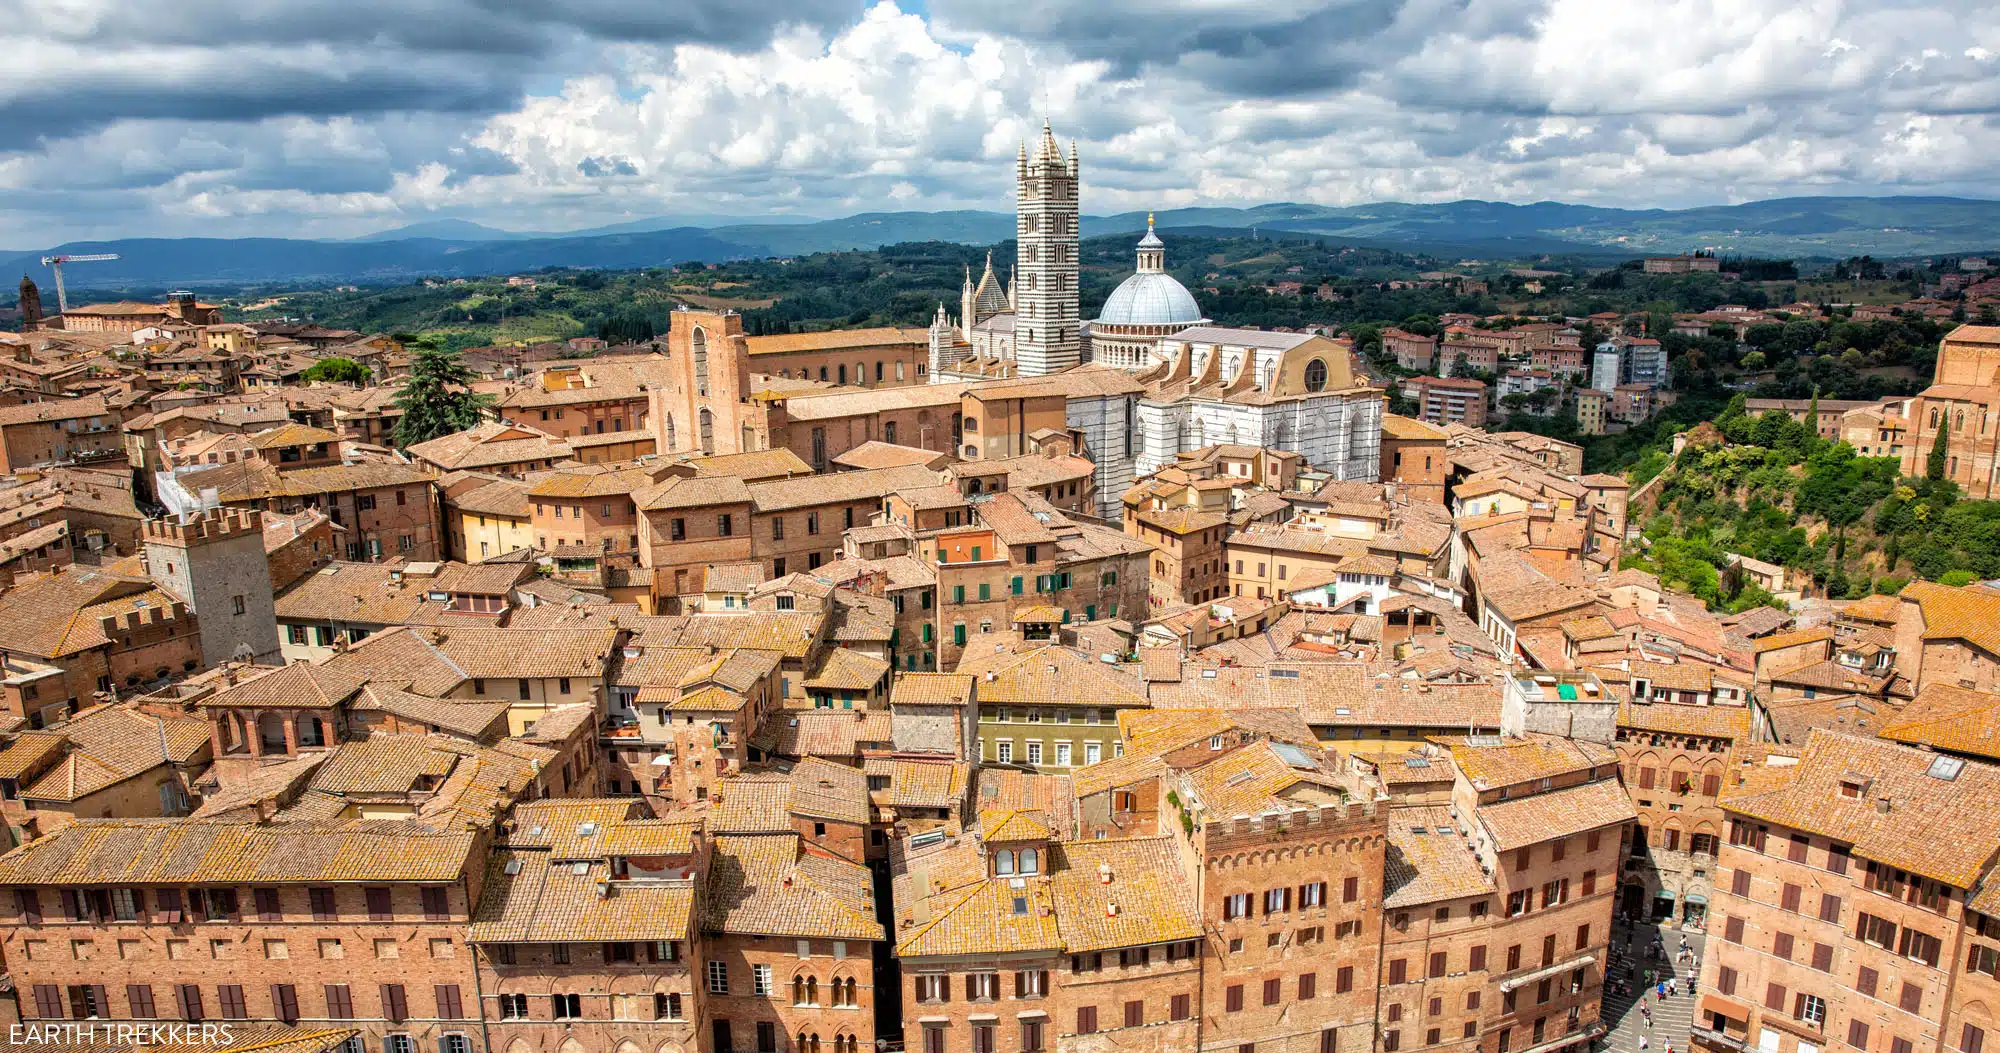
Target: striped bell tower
(1045, 230)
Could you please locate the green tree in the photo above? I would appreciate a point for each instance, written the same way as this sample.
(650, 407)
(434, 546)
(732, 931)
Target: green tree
(1934, 468)
(437, 399)
(337, 371)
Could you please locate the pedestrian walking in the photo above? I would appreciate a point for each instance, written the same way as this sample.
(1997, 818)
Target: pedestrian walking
(1642, 1042)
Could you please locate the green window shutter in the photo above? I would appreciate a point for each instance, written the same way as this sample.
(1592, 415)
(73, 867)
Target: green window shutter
(958, 594)
(927, 632)
(1065, 616)
(1017, 584)
(895, 635)
(1090, 613)
(975, 553)
(958, 634)
(985, 591)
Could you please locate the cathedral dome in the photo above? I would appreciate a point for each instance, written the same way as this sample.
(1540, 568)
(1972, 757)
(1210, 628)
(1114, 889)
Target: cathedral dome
(1150, 298)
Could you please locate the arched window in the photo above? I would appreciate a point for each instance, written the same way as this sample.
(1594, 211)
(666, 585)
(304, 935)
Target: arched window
(812, 990)
(1003, 861)
(861, 373)
(707, 431)
(670, 432)
(1030, 861)
(843, 374)
(1316, 375)
(700, 341)
(1960, 422)
(798, 990)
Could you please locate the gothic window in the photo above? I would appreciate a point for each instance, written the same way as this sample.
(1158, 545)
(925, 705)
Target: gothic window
(707, 431)
(700, 340)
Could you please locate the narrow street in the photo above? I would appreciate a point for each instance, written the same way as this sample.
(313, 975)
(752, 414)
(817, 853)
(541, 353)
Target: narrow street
(1631, 948)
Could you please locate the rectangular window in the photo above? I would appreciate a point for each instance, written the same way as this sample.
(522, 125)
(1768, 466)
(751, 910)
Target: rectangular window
(1232, 998)
(230, 998)
(339, 1002)
(1829, 908)
(1857, 1034)
(188, 997)
(1879, 931)
(1086, 1018)
(449, 1005)
(1178, 1008)
(1866, 980)
(1135, 1014)
(1910, 997)
(1343, 979)
(1274, 991)
(1774, 997)
(718, 977)
(1308, 986)
(394, 1005)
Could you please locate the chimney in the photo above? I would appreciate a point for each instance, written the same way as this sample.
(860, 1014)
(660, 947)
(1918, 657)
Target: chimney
(1104, 873)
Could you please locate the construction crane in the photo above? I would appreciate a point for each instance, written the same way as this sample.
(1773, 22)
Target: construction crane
(56, 262)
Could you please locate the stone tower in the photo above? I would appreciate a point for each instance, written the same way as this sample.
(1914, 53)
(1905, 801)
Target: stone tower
(215, 561)
(1045, 230)
(31, 305)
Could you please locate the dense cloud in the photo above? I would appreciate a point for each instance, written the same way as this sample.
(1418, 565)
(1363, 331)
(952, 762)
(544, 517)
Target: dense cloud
(311, 117)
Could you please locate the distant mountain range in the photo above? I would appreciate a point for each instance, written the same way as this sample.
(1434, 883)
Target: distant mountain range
(1799, 228)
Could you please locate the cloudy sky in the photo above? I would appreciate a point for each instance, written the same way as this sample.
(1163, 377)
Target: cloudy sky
(128, 118)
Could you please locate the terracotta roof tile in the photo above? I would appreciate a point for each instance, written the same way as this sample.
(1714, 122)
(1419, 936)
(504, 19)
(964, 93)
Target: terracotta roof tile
(764, 885)
(1545, 816)
(1949, 717)
(1428, 860)
(193, 851)
(1936, 826)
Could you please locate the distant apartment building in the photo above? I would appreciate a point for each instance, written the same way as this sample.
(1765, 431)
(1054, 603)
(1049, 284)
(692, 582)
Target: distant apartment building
(1448, 400)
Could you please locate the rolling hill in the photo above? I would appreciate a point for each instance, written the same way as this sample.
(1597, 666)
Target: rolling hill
(1827, 228)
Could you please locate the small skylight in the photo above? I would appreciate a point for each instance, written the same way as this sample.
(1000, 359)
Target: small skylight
(1342, 711)
(586, 829)
(1417, 762)
(1020, 904)
(513, 866)
(1239, 778)
(1946, 768)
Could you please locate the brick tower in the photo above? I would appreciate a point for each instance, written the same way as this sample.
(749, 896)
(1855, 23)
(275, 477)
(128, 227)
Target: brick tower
(215, 561)
(1045, 230)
